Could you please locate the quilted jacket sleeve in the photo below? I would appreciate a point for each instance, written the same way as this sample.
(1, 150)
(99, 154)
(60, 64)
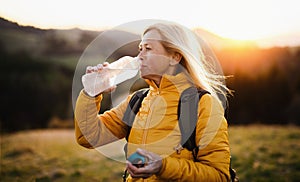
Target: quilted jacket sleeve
(93, 130)
(213, 155)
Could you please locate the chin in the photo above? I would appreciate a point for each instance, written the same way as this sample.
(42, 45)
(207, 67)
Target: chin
(144, 76)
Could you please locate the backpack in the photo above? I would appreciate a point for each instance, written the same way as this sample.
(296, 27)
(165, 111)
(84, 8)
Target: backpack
(187, 111)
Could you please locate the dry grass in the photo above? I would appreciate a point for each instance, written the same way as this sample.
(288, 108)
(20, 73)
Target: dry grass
(53, 155)
(259, 153)
(266, 153)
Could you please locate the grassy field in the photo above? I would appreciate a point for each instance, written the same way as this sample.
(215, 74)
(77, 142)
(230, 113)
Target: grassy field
(259, 153)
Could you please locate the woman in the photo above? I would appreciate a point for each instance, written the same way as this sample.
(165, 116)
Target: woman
(171, 61)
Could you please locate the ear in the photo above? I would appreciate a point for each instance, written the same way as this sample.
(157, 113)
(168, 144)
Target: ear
(176, 57)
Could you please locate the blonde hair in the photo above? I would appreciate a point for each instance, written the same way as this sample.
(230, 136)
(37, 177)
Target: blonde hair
(179, 39)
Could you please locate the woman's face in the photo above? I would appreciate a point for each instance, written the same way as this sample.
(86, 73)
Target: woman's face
(155, 60)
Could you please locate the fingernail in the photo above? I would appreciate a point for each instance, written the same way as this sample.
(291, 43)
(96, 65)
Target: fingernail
(99, 66)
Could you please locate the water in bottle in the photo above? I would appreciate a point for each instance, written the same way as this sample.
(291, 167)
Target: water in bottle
(117, 72)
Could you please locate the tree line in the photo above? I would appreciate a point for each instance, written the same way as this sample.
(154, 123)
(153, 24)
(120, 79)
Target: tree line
(35, 89)
(266, 91)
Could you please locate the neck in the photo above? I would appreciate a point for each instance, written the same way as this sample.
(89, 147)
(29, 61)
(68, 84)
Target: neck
(156, 79)
(173, 70)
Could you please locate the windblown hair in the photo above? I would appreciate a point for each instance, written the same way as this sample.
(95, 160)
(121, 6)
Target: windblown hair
(176, 38)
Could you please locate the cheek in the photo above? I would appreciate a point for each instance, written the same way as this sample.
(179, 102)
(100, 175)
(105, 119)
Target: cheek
(155, 65)
(160, 65)
(158, 61)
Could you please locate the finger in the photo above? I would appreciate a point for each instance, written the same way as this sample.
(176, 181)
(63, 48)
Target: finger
(138, 175)
(130, 166)
(113, 88)
(132, 170)
(95, 68)
(139, 170)
(144, 153)
(99, 67)
(136, 172)
(88, 69)
(105, 64)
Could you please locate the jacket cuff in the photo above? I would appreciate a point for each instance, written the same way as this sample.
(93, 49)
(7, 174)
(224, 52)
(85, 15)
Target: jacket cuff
(86, 95)
(169, 169)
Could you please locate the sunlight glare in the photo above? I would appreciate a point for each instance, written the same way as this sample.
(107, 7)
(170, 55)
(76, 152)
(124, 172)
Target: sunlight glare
(232, 19)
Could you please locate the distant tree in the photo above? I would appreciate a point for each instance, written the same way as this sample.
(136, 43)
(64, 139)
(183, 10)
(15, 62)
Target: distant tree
(55, 45)
(33, 91)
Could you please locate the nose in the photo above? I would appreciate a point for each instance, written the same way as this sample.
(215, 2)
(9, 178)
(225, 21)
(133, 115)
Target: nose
(141, 55)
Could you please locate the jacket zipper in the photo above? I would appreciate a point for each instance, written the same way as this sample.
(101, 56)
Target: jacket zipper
(148, 120)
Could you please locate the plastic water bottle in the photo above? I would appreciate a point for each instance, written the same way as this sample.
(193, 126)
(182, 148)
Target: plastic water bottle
(117, 72)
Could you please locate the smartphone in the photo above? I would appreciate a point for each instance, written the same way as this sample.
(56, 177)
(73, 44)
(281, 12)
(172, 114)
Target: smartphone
(137, 160)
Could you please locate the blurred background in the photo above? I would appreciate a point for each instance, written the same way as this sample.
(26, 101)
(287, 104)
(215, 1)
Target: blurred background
(257, 43)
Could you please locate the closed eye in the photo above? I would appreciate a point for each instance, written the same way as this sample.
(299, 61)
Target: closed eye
(147, 48)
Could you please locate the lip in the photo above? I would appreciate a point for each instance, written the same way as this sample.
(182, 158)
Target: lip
(143, 66)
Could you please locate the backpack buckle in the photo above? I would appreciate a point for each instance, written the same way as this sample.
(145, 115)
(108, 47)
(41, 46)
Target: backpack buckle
(178, 148)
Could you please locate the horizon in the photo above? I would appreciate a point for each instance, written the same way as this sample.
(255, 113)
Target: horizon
(267, 22)
(266, 42)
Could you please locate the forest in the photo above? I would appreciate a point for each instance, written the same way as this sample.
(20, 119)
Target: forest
(37, 69)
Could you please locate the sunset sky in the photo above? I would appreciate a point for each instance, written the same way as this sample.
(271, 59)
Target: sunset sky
(235, 19)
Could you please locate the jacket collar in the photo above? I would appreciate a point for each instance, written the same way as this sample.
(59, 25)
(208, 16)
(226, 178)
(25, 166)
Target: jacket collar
(168, 82)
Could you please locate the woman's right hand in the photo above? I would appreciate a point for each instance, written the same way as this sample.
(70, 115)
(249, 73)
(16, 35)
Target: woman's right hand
(100, 68)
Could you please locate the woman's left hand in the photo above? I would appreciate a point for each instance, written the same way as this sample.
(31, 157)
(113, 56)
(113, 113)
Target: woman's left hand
(152, 166)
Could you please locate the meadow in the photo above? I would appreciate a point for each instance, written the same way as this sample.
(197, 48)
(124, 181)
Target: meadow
(259, 153)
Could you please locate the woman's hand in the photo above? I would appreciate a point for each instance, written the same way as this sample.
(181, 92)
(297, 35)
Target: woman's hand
(100, 68)
(152, 166)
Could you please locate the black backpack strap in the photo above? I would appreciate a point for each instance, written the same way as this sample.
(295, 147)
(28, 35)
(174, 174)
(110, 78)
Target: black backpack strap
(130, 113)
(133, 108)
(188, 117)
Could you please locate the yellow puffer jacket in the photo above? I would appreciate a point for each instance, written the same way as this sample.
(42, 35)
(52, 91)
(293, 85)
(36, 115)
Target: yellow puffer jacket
(156, 129)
